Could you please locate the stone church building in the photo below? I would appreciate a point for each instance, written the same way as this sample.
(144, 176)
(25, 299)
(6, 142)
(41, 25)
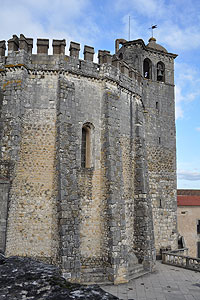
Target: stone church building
(87, 156)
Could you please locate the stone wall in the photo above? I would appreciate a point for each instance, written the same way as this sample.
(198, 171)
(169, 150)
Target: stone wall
(161, 151)
(95, 222)
(32, 222)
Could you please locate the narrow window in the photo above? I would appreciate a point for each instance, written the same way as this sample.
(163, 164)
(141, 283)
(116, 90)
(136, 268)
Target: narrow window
(198, 249)
(160, 71)
(157, 106)
(147, 68)
(120, 56)
(160, 203)
(198, 227)
(180, 242)
(86, 147)
(159, 140)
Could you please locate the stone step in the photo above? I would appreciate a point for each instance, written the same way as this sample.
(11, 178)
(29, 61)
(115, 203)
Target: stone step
(93, 270)
(135, 268)
(93, 275)
(136, 271)
(98, 275)
(139, 274)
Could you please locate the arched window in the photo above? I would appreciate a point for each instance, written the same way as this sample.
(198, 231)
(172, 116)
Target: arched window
(86, 146)
(160, 71)
(147, 68)
(120, 56)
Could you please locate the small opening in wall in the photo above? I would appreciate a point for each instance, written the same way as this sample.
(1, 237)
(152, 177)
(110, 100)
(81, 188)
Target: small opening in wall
(157, 106)
(180, 242)
(160, 71)
(159, 140)
(147, 68)
(86, 146)
(183, 212)
(198, 249)
(198, 226)
(160, 205)
(120, 56)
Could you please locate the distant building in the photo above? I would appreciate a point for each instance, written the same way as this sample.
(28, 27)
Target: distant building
(188, 202)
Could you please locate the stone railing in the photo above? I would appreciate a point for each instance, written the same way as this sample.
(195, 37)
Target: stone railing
(174, 258)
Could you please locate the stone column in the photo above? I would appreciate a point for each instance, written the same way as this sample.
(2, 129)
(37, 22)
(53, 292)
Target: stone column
(143, 227)
(117, 248)
(69, 201)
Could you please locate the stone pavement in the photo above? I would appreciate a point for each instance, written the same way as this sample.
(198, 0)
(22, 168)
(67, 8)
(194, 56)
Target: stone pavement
(166, 283)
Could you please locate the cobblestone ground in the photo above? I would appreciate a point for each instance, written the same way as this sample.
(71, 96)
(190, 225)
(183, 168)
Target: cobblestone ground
(166, 283)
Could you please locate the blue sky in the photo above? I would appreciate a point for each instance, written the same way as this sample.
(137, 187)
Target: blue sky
(98, 23)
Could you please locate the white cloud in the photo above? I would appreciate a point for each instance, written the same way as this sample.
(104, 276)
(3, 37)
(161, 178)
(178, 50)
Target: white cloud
(188, 175)
(187, 87)
(56, 19)
(143, 7)
(198, 128)
(179, 98)
(179, 37)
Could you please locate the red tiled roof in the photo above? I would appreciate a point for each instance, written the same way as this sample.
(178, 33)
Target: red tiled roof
(188, 200)
(188, 192)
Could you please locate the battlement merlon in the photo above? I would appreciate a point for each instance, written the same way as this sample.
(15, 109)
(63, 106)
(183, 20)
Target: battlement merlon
(13, 44)
(88, 53)
(59, 46)
(25, 44)
(2, 48)
(104, 57)
(74, 49)
(42, 46)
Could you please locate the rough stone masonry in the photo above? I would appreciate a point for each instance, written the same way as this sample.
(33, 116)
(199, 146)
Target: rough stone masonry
(88, 157)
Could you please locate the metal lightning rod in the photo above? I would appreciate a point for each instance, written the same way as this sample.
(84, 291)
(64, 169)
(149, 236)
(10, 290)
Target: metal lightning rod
(129, 28)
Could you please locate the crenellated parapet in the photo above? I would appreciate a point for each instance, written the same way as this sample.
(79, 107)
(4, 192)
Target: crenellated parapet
(109, 66)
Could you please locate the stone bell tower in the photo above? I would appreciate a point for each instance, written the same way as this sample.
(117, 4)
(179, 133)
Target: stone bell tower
(156, 65)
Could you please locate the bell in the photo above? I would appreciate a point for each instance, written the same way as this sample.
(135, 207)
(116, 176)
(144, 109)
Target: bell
(160, 73)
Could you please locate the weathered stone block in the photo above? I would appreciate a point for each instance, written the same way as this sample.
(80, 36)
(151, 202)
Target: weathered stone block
(42, 46)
